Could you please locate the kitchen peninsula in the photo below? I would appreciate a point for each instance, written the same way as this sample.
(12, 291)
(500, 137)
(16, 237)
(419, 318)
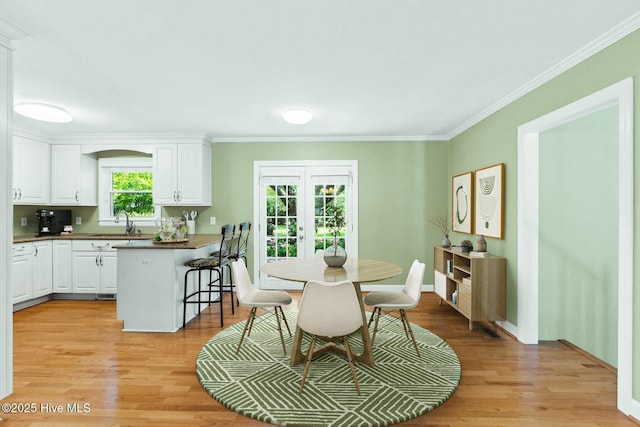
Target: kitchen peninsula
(151, 281)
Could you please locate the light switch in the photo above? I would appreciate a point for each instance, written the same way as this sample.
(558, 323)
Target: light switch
(23, 221)
(78, 220)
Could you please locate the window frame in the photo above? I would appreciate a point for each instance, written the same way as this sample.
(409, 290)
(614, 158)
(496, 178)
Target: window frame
(106, 167)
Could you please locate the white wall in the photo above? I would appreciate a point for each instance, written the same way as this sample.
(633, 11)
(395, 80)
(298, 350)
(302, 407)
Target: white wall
(6, 210)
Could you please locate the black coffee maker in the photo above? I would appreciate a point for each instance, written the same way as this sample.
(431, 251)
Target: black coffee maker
(52, 221)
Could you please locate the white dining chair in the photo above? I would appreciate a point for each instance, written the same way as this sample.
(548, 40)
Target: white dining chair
(249, 296)
(329, 309)
(402, 300)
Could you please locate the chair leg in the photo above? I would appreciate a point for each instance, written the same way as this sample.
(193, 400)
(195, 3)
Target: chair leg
(233, 311)
(221, 281)
(184, 300)
(275, 313)
(252, 315)
(373, 314)
(375, 328)
(306, 366)
(351, 363)
(405, 321)
(284, 318)
(195, 293)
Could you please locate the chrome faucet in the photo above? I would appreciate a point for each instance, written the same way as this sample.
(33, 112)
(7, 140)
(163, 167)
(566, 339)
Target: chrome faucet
(129, 226)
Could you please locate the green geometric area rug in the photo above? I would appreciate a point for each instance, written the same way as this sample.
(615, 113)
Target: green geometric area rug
(259, 383)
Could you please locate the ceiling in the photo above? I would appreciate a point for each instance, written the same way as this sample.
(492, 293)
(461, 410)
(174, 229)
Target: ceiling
(392, 69)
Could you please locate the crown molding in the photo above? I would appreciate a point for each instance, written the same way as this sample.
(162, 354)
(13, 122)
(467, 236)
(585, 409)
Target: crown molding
(628, 26)
(30, 133)
(10, 32)
(408, 138)
(129, 138)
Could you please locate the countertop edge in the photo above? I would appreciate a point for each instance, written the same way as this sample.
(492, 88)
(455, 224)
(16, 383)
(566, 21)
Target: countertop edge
(144, 241)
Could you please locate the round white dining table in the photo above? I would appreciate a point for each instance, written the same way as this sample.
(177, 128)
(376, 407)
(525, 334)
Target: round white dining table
(355, 270)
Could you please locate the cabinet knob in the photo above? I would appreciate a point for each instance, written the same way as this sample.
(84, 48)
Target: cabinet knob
(77, 196)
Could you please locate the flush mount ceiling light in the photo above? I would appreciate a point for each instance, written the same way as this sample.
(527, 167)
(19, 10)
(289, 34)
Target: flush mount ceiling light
(44, 112)
(296, 116)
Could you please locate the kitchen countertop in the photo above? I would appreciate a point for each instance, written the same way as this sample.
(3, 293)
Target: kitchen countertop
(195, 241)
(143, 241)
(82, 236)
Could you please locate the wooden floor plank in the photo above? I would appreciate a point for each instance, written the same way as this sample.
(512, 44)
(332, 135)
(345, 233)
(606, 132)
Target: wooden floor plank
(68, 352)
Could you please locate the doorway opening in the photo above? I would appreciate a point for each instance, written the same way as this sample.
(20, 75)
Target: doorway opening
(620, 95)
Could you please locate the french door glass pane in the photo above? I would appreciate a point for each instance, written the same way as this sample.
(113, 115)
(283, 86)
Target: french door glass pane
(327, 195)
(282, 221)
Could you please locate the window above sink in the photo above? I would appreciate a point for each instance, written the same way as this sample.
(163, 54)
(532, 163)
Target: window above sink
(126, 185)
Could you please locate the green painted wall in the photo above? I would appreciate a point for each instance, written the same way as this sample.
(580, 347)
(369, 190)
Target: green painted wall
(494, 140)
(578, 247)
(400, 185)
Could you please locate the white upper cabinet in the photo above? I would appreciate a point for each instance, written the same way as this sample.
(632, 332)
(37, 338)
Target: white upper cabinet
(182, 174)
(73, 176)
(31, 168)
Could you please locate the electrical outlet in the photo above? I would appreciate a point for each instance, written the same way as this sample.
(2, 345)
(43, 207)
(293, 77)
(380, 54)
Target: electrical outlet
(23, 221)
(212, 220)
(78, 220)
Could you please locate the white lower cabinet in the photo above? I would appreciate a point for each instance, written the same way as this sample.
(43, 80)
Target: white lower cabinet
(61, 266)
(94, 266)
(22, 272)
(42, 269)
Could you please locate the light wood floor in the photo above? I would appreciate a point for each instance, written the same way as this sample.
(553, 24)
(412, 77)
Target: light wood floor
(74, 352)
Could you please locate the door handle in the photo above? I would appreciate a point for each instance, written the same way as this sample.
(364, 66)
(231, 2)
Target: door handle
(97, 262)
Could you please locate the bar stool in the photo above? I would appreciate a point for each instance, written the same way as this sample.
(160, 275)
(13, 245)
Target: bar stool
(240, 250)
(214, 264)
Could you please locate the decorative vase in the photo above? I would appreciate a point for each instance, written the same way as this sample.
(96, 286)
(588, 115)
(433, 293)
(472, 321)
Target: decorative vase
(335, 256)
(445, 242)
(481, 244)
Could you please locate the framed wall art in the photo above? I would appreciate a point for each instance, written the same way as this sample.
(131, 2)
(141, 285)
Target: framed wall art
(462, 197)
(489, 201)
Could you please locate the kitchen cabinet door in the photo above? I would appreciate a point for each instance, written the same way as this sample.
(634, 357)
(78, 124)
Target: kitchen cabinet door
(61, 266)
(165, 174)
(109, 273)
(86, 272)
(194, 174)
(21, 272)
(42, 269)
(74, 176)
(182, 175)
(31, 171)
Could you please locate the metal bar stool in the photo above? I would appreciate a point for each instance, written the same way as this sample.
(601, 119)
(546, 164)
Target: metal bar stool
(214, 264)
(239, 251)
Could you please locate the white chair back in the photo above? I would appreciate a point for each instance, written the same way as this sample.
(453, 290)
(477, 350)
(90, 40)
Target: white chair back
(413, 285)
(242, 280)
(329, 309)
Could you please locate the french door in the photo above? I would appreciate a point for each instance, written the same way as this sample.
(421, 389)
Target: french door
(291, 212)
